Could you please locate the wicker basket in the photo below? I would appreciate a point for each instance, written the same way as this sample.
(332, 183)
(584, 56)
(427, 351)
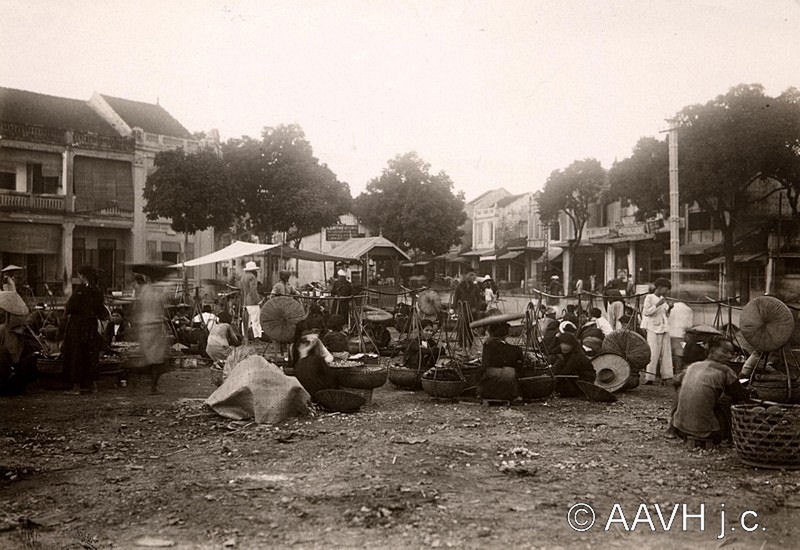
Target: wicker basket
(365, 377)
(363, 392)
(404, 378)
(537, 387)
(50, 366)
(767, 437)
(774, 387)
(443, 388)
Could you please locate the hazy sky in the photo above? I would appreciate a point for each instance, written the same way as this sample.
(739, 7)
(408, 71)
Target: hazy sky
(495, 92)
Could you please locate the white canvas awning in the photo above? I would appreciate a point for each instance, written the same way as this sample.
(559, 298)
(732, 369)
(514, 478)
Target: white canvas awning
(236, 249)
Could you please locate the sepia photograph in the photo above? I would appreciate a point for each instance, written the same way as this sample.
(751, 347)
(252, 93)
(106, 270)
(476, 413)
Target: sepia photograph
(474, 274)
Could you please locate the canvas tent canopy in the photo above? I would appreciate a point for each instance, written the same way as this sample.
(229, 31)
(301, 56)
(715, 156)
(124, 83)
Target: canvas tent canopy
(238, 249)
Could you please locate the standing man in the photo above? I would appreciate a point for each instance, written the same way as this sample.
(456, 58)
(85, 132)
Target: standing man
(10, 275)
(251, 301)
(655, 313)
(343, 289)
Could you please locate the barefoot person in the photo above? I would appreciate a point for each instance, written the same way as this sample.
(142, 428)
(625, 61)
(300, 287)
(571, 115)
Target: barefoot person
(706, 390)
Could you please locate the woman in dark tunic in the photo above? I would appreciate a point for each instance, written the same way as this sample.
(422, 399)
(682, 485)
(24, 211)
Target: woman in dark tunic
(82, 340)
(571, 361)
(422, 352)
(501, 363)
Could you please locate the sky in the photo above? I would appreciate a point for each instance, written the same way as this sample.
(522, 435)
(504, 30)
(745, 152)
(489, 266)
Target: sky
(495, 93)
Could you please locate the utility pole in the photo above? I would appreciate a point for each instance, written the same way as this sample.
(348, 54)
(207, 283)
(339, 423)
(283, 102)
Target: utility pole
(674, 209)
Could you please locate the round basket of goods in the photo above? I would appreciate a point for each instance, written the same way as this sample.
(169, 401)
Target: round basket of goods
(50, 365)
(775, 387)
(445, 382)
(536, 387)
(404, 377)
(472, 371)
(767, 436)
(361, 376)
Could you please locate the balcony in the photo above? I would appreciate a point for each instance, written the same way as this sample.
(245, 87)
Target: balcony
(24, 201)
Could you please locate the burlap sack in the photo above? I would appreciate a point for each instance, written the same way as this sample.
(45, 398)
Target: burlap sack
(258, 389)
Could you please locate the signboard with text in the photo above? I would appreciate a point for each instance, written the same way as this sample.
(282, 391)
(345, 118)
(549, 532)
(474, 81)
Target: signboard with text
(341, 232)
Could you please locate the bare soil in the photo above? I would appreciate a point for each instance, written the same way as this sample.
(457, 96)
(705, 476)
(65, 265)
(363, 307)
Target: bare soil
(122, 468)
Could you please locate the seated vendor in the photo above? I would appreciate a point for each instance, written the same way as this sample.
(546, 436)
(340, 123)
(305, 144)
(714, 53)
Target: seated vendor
(117, 328)
(422, 352)
(706, 390)
(335, 339)
(501, 362)
(571, 361)
(222, 337)
(312, 364)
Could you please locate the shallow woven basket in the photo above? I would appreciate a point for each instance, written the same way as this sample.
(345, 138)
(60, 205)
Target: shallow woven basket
(49, 366)
(364, 377)
(443, 388)
(767, 439)
(774, 387)
(363, 392)
(404, 378)
(537, 387)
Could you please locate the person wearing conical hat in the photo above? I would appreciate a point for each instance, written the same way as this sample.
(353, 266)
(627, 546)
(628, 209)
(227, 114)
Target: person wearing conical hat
(501, 363)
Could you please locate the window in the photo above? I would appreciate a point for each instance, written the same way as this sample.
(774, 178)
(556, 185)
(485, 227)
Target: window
(171, 257)
(152, 251)
(8, 180)
(700, 221)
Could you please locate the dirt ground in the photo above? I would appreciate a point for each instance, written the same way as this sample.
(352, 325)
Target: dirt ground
(122, 468)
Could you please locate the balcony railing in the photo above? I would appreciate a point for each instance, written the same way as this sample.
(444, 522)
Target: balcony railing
(705, 236)
(36, 134)
(25, 201)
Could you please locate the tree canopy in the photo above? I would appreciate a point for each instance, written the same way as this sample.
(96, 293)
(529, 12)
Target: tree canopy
(190, 189)
(281, 185)
(643, 178)
(572, 191)
(412, 207)
(725, 146)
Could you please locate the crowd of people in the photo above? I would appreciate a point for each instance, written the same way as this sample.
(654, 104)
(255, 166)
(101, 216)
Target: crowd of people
(698, 366)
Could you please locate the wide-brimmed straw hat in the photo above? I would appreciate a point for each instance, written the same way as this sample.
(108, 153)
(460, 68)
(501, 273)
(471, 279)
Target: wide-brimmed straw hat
(611, 370)
(251, 266)
(12, 303)
(11, 267)
(496, 319)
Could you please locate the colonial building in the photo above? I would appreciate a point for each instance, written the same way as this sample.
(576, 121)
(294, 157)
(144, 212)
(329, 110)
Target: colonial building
(72, 176)
(66, 191)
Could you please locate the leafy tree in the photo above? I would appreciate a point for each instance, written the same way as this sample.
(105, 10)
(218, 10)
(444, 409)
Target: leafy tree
(731, 142)
(412, 207)
(191, 190)
(572, 191)
(643, 178)
(282, 186)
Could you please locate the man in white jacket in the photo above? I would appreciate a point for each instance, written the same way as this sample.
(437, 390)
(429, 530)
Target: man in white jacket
(655, 319)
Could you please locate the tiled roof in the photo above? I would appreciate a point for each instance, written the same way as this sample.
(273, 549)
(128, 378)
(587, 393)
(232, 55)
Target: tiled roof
(484, 194)
(30, 108)
(359, 246)
(505, 201)
(150, 117)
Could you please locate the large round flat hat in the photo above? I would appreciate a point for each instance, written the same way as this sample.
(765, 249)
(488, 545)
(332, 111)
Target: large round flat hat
(429, 302)
(11, 267)
(376, 314)
(612, 371)
(705, 330)
(630, 345)
(595, 393)
(767, 323)
(496, 319)
(279, 318)
(12, 303)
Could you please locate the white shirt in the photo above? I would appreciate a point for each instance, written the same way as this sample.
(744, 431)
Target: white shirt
(654, 317)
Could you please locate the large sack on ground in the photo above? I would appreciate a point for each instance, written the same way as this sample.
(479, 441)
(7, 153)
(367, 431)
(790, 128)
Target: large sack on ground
(766, 323)
(258, 389)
